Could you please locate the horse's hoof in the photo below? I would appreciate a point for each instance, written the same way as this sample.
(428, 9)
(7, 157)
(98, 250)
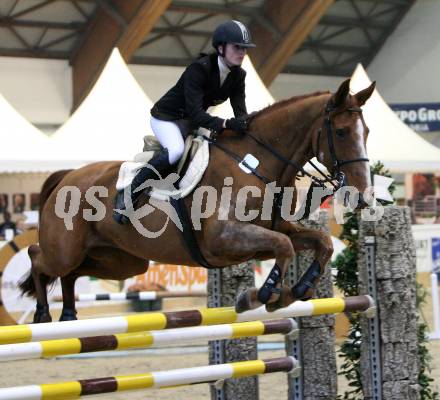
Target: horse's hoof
(41, 318)
(271, 307)
(284, 300)
(42, 314)
(303, 296)
(67, 318)
(247, 300)
(68, 315)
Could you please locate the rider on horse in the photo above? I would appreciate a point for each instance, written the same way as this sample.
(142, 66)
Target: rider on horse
(208, 81)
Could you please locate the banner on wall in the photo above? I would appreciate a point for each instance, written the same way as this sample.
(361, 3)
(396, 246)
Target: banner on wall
(175, 278)
(181, 278)
(435, 246)
(422, 117)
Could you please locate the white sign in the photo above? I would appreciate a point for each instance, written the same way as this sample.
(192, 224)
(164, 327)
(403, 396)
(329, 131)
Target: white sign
(381, 185)
(18, 267)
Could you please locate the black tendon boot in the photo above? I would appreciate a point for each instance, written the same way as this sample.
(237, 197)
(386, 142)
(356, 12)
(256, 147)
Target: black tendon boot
(160, 162)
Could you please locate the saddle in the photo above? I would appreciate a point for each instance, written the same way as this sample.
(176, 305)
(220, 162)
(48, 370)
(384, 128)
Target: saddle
(189, 171)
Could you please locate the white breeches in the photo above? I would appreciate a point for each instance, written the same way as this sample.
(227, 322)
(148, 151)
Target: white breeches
(169, 136)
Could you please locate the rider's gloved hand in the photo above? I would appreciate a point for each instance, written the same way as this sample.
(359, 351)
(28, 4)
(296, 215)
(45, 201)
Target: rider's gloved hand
(236, 124)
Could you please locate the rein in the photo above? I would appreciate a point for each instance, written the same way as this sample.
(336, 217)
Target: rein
(236, 158)
(336, 178)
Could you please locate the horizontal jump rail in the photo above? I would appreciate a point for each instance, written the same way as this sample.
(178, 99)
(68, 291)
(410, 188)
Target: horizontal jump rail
(184, 376)
(53, 348)
(147, 295)
(177, 319)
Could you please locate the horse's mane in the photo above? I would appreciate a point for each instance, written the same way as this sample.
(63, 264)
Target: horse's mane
(285, 103)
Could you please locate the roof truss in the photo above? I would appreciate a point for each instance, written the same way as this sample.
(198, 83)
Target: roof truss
(350, 31)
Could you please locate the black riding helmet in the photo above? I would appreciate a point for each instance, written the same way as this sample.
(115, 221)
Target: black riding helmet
(232, 32)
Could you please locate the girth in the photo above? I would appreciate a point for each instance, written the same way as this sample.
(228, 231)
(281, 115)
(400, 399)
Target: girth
(188, 235)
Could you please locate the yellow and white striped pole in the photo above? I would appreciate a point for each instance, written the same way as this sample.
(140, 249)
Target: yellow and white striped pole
(178, 319)
(120, 296)
(162, 379)
(53, 348)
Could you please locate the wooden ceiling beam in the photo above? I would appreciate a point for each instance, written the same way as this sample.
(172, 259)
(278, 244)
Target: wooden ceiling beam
(105, 32)
(294, 21)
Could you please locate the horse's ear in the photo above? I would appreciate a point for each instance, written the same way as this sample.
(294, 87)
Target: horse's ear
(341, 95)
(365, 94)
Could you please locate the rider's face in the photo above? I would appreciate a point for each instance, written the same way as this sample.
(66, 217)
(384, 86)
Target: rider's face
(234, 54)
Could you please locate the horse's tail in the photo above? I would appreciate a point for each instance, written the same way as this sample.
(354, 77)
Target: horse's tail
(50, 184)
(27, 284)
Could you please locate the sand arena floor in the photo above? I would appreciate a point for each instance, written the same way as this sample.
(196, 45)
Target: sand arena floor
(272, 386)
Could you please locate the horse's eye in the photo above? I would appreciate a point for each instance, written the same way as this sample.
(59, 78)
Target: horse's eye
(340, 132)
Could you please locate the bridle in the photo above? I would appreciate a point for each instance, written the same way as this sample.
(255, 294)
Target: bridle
(336, 178)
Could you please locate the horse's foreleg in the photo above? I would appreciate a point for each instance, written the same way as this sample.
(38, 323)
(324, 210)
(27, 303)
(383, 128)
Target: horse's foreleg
(239, 240)
(309, 239)
(68, 288)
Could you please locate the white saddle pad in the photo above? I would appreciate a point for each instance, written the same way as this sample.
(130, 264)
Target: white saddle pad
(165, 188)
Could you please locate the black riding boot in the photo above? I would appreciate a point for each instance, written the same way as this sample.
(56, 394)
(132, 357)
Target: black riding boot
(160, 162)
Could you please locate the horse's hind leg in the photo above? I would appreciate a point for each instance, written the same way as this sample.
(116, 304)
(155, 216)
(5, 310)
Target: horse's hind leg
(36, 284)
(68, 288)
(104, 263)
(42, 313)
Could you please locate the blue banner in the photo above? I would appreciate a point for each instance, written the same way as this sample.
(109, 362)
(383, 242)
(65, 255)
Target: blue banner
(435, 245)
(422, 117)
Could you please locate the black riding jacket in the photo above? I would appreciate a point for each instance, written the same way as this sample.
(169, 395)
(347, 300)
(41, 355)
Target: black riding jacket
(199, 88)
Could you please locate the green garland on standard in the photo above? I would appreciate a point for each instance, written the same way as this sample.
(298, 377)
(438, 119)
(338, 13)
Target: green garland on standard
(347, 281)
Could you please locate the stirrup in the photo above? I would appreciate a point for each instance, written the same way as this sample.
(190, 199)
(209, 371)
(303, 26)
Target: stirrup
(119, 204)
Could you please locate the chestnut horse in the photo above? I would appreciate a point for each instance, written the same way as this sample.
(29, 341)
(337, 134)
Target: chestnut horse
(283, 136)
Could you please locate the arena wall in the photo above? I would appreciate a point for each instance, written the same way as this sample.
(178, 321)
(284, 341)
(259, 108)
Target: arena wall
(405, 68)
